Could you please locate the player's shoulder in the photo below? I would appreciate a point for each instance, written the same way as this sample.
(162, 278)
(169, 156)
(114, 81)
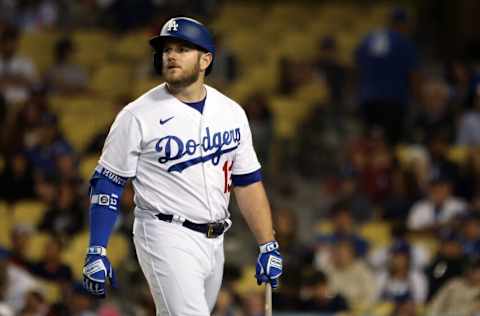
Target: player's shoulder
(154, 97)
(223, 101)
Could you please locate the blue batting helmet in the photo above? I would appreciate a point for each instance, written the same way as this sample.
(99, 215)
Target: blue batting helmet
(185, 29)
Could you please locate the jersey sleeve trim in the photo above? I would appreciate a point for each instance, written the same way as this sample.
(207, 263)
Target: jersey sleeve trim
(122, 173)
(246, 179)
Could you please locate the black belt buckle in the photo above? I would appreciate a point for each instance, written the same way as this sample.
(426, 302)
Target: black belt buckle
(215, 229)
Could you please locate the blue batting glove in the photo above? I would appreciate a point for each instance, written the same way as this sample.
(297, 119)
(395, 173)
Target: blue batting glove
(269, 264)
(96, 270)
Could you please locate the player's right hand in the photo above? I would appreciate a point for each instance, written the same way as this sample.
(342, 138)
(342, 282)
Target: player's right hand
(96, 271)
(269, 264)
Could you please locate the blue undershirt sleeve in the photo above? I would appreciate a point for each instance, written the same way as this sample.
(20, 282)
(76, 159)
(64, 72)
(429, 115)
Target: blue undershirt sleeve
(246, 179)
(106, 189)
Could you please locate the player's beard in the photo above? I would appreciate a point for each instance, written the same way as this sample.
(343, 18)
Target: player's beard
(186, 79)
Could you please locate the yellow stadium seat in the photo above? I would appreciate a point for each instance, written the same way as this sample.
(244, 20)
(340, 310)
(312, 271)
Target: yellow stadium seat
(133, 47)
(118, 249)
(92, 47)
(378, 233)
(246, 284)
(112, 80)
(87, 165)
(323, 227)
(74, 255)
(459, 154)
(82, 117)
(52, 290)
(28, 212)
(37, 245)
(39, 47)
(5, 224)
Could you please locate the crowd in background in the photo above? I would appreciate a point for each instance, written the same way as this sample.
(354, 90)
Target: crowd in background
(376, 198)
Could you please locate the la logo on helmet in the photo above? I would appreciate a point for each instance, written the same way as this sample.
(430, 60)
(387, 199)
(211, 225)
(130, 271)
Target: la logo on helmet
(172, 25)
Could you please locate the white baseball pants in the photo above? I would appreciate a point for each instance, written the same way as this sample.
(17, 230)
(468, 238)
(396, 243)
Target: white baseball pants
(183, 268)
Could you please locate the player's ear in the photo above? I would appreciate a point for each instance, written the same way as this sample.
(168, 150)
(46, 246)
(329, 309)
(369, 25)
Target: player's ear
(205, 60)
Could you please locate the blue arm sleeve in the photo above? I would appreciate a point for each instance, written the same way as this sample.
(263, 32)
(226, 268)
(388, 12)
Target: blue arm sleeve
(106, 189)
(246, 179)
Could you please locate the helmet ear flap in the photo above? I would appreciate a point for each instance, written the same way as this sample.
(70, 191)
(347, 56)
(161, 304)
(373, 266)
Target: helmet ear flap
(157, 62)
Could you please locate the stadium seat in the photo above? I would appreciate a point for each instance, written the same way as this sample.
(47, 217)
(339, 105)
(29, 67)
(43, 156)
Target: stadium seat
(74, 255)
(52, 290)
(92, 47)
(36, 245)
(459, 154)
(5, 224)
(133, 47)
(39, 47)
(82, 117)
(28, 212)
(87, 165)
(378, 233)
(112, 79)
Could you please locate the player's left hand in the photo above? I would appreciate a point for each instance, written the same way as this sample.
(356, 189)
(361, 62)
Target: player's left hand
(96, 271)
(269, 264)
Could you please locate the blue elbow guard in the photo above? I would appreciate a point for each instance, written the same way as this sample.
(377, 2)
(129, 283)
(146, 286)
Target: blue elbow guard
(105, 191)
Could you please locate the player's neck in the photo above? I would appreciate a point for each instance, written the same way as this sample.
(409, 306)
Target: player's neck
(192, 93)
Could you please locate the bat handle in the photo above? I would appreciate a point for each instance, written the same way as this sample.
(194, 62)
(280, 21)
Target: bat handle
(268, 299)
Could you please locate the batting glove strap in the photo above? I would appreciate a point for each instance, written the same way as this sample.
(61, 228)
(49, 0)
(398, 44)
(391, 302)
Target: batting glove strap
(269, 246)
(97, 250)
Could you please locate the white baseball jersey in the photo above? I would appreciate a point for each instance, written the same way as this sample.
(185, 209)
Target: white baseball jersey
(181, 160)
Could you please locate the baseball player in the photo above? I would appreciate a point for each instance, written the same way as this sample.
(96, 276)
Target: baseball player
(185, 146)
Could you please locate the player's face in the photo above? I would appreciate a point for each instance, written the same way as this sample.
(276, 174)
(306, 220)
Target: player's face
(182, 63)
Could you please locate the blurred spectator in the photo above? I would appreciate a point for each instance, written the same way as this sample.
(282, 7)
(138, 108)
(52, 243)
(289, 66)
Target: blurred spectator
(470, 234)
(458, 75)
(350, 276)
(376, 172)
(17, 74)
(448, 263)
(226, 305)
(293, 75)
(438, 146)
(51, 267)
(419, 254)
(406, 307)
(401, 196)
(34, 15)
(319, 297)
(295, 257)
(327, 66)
(65, 217)
(5, 309)
(388, 67)
(35, 304)
(226, 65)
(77, 303)
(20, 237)
(22, 131)
(350, 192)
(261, 124)
(19, 283)
(344, 228)
(95, 145)
(52, 145)
(437, 209)
(435, 114)
(459, 296)
(65, 76)
(468, 133)
(16, 179)
(401, 281)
